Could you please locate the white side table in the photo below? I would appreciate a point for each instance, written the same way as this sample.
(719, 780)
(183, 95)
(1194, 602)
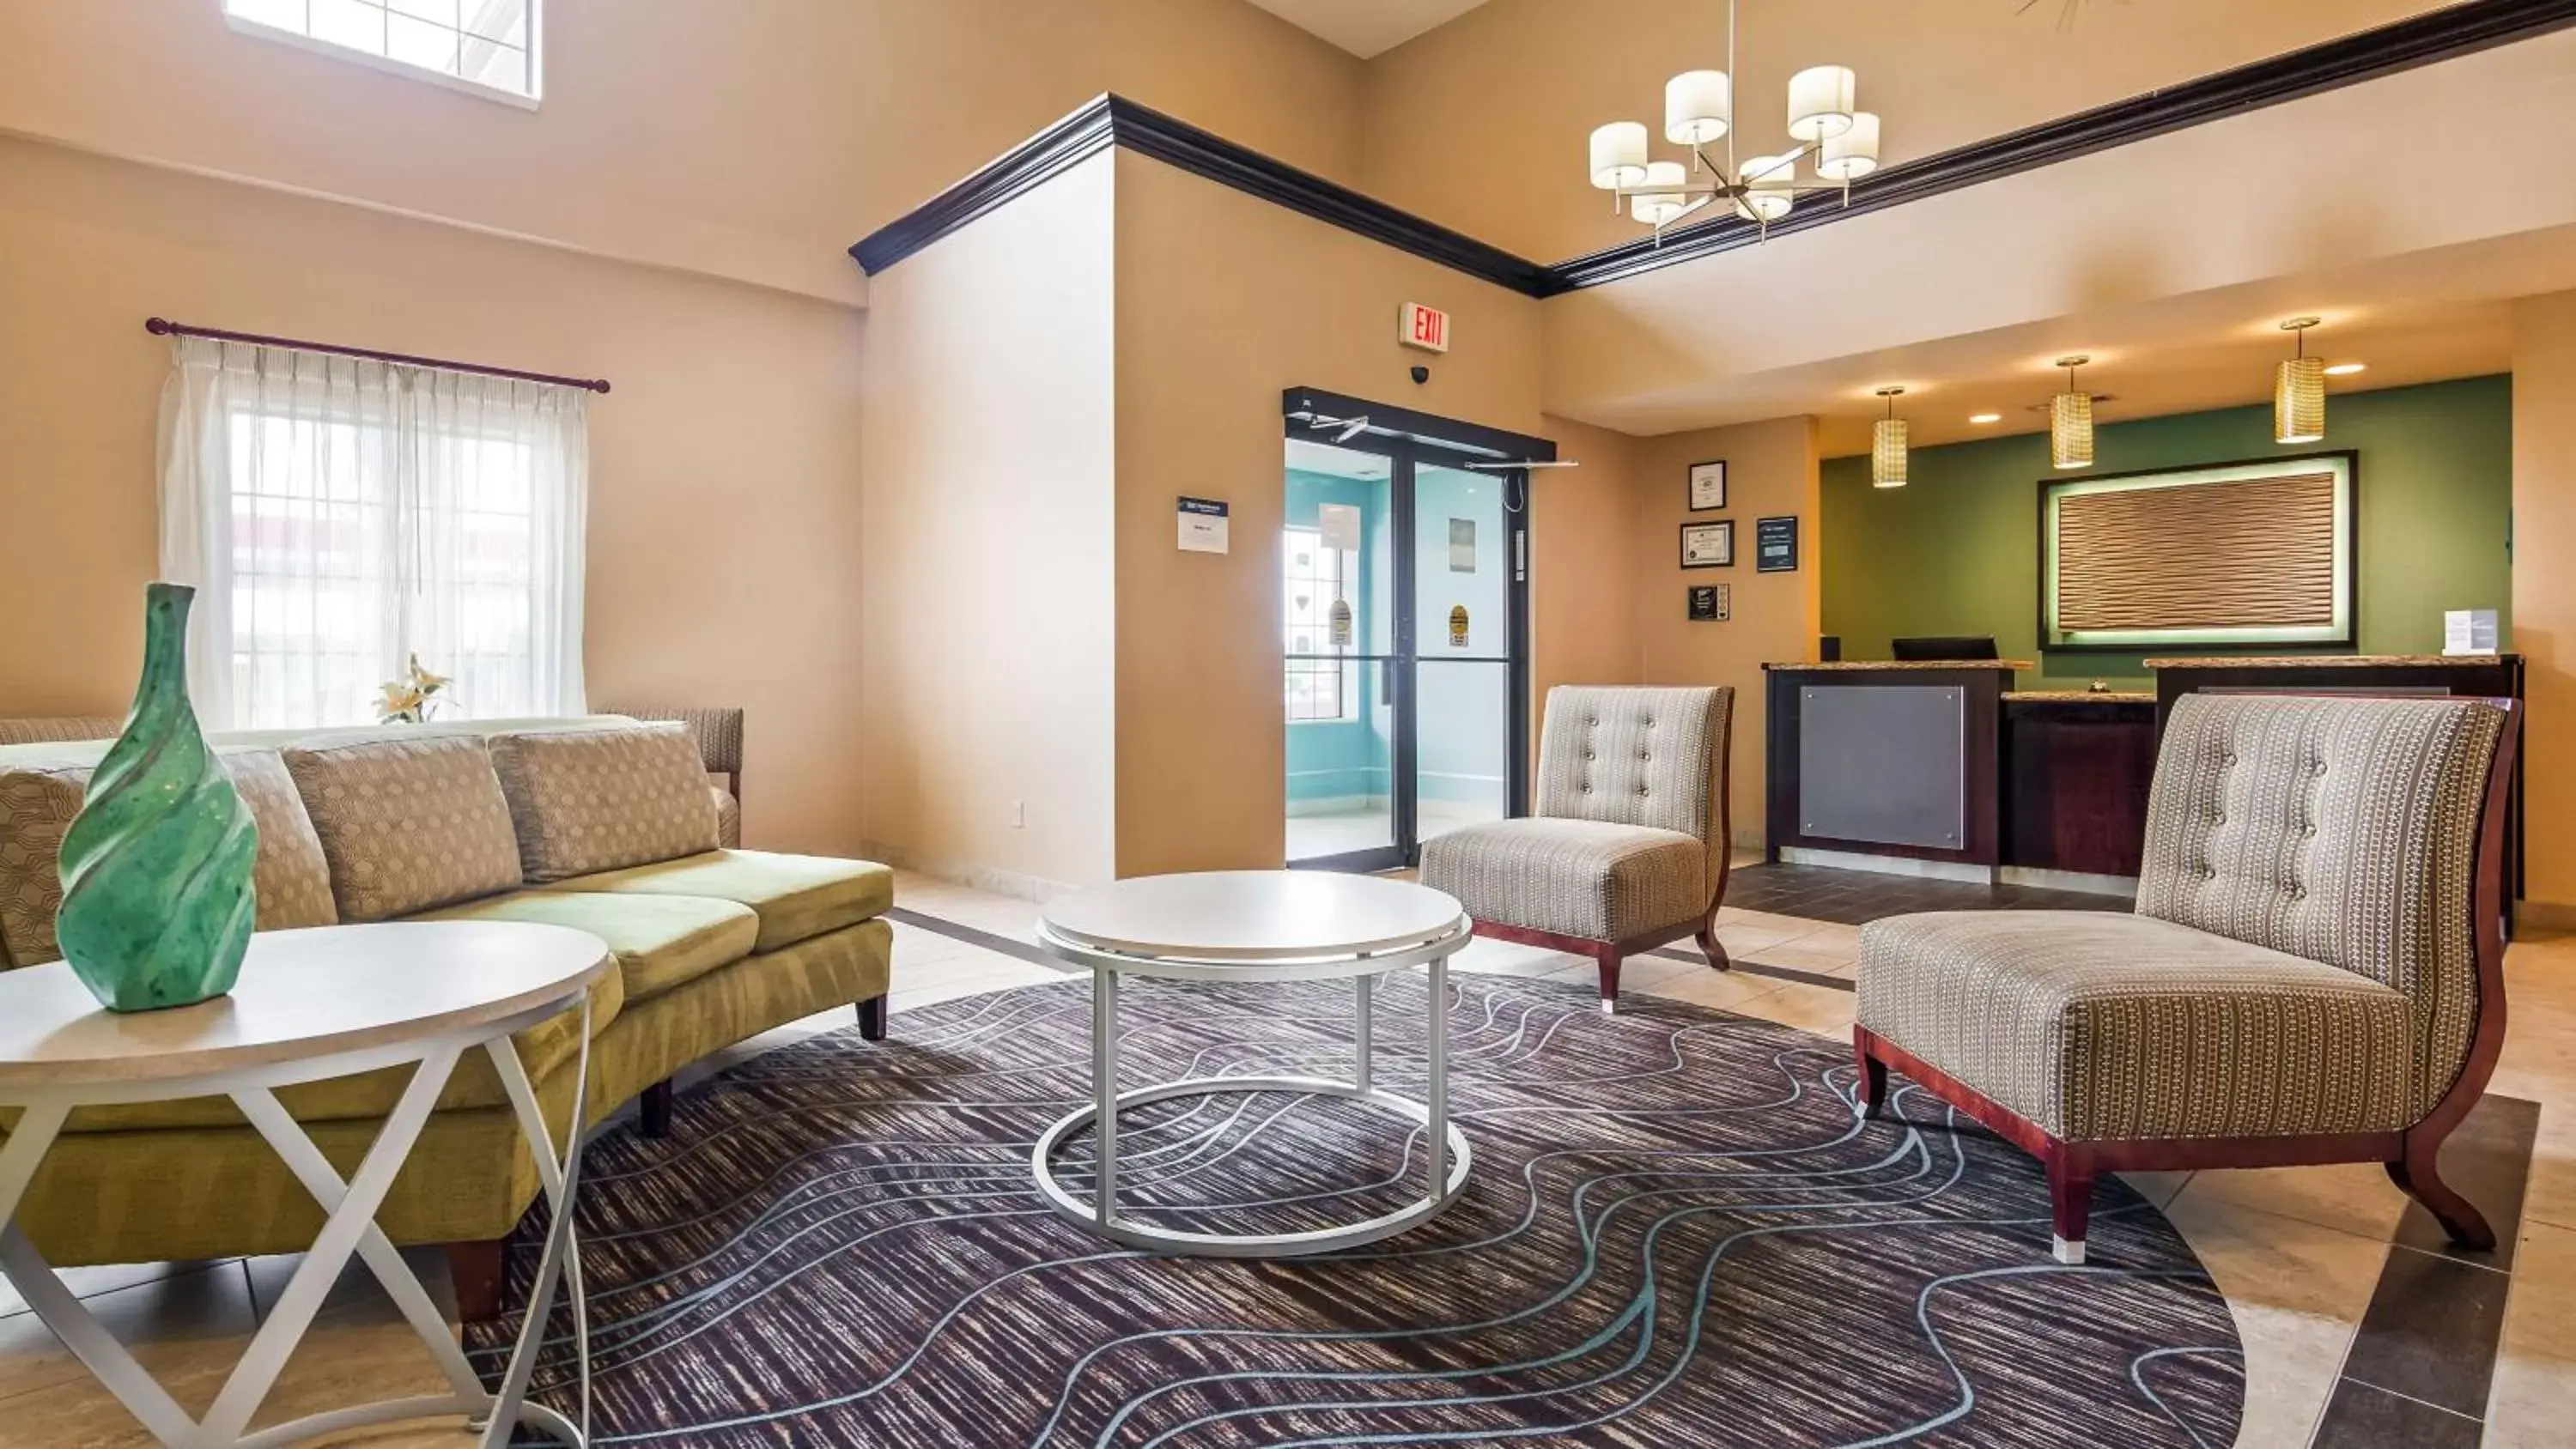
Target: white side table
(1257, 925)
(327, 1002)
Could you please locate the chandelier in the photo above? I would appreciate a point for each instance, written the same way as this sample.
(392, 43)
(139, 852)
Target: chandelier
(1840, 141)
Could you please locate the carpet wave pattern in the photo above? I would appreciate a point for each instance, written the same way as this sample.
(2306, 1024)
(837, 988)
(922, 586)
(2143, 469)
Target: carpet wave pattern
(1678, 1232)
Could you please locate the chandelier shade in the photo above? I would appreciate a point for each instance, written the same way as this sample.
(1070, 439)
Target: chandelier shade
(1853, 154)
(1769, 184)
(1821, 102)
(2299, 391)
(1699, 105)
(1655, 208)
(1619, 155)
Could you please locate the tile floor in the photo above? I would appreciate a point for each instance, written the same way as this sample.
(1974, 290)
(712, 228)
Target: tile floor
(2299, 1251)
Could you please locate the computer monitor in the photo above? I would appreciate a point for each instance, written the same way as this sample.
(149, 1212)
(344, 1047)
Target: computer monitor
(1946, 646)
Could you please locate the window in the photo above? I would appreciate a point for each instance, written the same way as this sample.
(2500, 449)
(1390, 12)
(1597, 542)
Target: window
(1313, 578)
(339, 517)
(485, 46)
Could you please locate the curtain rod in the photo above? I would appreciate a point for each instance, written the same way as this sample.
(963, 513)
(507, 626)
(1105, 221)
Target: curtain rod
(162, 327)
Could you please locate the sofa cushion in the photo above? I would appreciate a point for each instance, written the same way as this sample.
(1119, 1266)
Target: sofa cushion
(37, 805)
(660, 941)
(2104, 1027)
(407, 824)
(1588, 878)
(797, 897)
(728, 812)
(585, 801)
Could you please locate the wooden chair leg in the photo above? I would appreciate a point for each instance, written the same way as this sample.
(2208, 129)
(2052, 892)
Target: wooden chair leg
(1873, 1078)
(872, 1019)
(477, 1271)
(1606, 957)
(2418, 1175)
(655, 1106)
(2070, 1198)
(1710, 945)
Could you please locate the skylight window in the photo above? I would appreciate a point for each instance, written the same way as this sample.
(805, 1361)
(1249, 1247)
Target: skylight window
(485, 46)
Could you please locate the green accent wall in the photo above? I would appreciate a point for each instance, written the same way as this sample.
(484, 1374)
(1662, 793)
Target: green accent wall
(1956, 551)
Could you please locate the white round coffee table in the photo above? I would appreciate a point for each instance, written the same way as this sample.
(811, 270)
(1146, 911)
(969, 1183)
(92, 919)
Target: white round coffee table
(332, 1001)
(1255, 926)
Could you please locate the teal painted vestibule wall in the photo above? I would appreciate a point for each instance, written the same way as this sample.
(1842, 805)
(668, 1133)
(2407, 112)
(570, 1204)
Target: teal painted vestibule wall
(1344, 760)
(1956, 551)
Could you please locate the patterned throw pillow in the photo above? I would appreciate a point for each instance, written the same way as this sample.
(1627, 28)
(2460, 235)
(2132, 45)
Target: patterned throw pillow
(36, 807)
(291, 880)
(586, 801)
(407, 825)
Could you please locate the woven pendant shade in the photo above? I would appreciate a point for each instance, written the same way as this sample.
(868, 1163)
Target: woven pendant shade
(1887, 453)
(2299, 400)
(2070, 430)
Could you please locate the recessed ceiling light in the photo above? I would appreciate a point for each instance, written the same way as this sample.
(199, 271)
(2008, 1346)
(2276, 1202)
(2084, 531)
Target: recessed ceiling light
(1985, 417)
(2344, 369)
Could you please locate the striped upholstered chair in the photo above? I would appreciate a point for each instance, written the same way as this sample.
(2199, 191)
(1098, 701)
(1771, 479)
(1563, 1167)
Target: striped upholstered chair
(2314, 972)
(1629, 847)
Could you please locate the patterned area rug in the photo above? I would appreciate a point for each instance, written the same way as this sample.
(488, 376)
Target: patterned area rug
(1677, 1232)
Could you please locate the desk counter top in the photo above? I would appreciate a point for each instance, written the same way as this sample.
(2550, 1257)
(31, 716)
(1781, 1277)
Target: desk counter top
(2076, 696)
(1855, 665)
(2342, 661)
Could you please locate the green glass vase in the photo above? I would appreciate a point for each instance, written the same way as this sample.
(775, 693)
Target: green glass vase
(157, 900)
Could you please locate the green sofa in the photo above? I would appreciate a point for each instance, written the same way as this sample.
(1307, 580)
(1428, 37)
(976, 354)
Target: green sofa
(713, 946)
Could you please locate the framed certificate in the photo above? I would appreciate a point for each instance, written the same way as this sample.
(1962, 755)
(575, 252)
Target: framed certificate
(1709, 545)
(1708, 485)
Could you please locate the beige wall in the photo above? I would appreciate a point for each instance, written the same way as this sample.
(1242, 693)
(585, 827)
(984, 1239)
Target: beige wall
(1223, 302)
(1481, 123)
(754, 140)
(1583, 557)
(2544, 590)
(1771, 470)
(986, 516)
(723, 565)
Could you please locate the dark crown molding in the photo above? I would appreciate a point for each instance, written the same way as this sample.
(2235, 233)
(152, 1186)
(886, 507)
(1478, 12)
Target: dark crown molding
(1110, 120)
(1115, 120)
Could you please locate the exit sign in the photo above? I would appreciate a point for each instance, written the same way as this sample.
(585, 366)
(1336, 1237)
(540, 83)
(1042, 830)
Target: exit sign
(1423, 327)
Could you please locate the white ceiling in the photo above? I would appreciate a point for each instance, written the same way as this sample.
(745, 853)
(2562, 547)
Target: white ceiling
(1365, 27)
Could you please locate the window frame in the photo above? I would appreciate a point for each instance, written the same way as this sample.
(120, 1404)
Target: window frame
(530, 101)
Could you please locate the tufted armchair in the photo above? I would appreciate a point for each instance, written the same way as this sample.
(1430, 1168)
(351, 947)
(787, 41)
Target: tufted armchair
(1629, 847)
(2314, 972)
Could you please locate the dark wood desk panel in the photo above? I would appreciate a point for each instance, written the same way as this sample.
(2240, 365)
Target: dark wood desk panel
(1983, 682)
(2077, 770)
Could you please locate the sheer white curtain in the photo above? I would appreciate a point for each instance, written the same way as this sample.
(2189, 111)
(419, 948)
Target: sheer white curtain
(338, 515)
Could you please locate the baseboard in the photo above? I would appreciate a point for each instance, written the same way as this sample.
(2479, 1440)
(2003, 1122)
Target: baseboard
(967, 873)
(1905, 865)
(2544, 916)
(2083, 882)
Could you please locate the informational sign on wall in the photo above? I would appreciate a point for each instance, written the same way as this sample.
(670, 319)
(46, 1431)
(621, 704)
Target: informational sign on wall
(1339, 523)
(1709, 604)
(1203, 525)
(1775, 545)
(1462, 545)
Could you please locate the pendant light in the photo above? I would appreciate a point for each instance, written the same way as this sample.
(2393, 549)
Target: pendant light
(1887, 455)
(2070, 420)
(2299, 391)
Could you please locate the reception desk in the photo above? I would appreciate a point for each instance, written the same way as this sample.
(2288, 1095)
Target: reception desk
(1942, 769)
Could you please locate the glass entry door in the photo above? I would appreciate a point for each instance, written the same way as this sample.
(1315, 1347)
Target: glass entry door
(1403, 591)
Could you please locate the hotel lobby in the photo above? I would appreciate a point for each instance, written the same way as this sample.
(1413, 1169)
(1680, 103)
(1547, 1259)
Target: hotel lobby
(1287, 722)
